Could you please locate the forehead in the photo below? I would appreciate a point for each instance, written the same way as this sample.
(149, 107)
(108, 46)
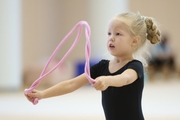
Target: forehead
(117, 23)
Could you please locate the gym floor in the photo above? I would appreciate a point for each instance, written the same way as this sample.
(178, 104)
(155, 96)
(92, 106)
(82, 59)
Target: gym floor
(161, 101)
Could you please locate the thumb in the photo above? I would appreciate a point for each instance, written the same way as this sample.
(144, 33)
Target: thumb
(32, 93)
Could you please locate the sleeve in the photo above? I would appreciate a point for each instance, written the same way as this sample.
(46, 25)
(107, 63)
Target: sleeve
(138, 67)
(96, 70)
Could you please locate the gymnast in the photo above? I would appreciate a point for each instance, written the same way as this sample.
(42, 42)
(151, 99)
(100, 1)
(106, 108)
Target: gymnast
(121, 79)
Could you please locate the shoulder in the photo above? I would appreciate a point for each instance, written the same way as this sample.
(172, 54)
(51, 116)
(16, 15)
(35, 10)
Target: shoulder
(98, 68)
(102, 62)
(137, 66)
(135, 63)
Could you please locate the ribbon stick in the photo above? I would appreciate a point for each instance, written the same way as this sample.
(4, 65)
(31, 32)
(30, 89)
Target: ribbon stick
(87, 54)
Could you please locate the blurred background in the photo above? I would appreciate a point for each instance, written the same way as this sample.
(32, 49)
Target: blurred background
(30, 30)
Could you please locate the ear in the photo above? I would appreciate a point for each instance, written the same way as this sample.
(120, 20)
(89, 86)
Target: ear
(136, 41)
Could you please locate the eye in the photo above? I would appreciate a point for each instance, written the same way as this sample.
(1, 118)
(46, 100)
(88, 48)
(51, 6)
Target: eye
(118, 33)
(109, 33)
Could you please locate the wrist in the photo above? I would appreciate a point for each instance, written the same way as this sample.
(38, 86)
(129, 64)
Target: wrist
(42, 95)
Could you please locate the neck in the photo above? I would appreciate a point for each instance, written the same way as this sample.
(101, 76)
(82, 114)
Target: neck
(122, 59)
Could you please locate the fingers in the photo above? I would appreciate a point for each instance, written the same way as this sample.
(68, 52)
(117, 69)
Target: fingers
(101, 83)
(98, 85)
(32, 95)
(31, 99)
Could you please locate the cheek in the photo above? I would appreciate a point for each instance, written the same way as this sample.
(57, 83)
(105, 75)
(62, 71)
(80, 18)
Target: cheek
(126, 45)
(107, 42)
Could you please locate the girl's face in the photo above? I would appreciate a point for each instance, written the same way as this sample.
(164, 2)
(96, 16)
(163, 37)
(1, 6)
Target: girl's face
(120, 40)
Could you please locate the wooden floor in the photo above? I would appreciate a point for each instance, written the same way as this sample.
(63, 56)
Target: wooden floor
(161, 101)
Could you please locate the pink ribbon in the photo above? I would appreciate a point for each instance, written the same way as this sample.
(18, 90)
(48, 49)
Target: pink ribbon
(87, 54)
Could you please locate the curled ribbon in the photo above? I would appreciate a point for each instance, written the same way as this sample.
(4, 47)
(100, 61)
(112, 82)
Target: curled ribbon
(87, 54)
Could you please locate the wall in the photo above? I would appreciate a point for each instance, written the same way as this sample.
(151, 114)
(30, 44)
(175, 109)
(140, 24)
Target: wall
(10, 47)
(46, 22)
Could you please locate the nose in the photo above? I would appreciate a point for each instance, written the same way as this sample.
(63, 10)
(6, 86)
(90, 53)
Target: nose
(112, 39)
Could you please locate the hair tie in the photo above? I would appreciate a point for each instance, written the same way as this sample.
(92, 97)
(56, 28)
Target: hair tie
(87, 54)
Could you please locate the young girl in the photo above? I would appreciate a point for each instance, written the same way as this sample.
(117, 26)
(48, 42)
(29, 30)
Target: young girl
(121, 79)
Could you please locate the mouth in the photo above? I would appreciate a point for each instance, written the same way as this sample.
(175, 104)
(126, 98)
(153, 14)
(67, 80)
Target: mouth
(111, 46)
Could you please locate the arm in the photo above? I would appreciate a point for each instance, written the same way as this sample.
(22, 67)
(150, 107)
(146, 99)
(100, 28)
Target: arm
(127, 77)
(59, 89)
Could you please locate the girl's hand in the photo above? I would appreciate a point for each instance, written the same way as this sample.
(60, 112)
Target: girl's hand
(101, 83)
(33, 95)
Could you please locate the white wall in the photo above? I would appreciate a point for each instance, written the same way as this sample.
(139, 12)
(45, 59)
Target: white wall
(100, 13)
(10, 44)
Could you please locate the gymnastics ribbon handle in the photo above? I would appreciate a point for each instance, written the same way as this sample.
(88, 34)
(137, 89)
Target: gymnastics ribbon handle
(26, 91)
(87, 53)
(33, 86)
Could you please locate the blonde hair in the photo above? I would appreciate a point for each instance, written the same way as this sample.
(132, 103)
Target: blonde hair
(144, 27)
